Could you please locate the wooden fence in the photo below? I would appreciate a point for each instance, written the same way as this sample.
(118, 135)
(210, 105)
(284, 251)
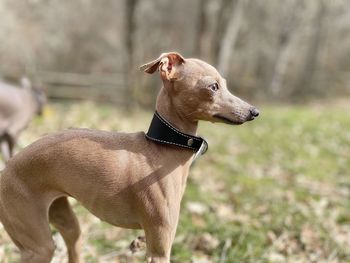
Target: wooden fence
(76, 86)
(101, 87)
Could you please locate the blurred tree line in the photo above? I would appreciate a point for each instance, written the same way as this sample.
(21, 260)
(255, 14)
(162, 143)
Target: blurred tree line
(289, 50)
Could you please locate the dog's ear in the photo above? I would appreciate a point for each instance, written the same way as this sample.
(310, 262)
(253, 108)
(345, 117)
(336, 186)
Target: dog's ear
(26, 83)
(166, 64)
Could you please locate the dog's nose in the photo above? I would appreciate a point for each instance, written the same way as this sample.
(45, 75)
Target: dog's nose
(254, 112)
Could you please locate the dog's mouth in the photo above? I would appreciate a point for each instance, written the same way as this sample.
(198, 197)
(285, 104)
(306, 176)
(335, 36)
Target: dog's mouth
(227, 120)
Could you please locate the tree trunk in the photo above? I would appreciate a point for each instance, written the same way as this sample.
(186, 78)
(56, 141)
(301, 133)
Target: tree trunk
(304, 84)
(287, 39)
(201, 28)
(220, 20)
(230, 38)
(130, 7)
(280, 69)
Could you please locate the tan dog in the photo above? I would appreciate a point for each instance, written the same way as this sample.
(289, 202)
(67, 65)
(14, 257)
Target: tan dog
(122, 178)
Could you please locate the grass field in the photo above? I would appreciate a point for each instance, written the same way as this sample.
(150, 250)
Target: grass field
(273, 190)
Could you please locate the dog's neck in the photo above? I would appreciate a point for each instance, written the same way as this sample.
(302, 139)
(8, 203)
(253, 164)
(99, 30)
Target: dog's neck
(168, 111)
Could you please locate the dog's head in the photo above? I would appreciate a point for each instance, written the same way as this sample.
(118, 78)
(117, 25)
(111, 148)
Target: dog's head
(197, 90)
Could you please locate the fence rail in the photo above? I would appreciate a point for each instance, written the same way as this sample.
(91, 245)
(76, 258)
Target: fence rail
(106, 87)
(76, 86)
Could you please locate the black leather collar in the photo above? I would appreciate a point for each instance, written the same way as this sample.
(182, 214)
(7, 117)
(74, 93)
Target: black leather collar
(162, 131)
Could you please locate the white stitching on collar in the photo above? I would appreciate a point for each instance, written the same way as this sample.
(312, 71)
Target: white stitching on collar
(178, 132)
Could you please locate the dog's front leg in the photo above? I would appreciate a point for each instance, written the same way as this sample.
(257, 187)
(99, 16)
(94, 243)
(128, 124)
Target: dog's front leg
(159, 239)
(160, 232)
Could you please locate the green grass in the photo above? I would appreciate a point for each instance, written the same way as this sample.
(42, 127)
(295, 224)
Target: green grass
(273, 190)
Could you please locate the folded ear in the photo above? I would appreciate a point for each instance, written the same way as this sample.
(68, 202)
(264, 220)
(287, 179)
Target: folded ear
(166, 64)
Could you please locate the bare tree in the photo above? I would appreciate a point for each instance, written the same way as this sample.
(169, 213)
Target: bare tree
(201, 28)
(130, 25)
(220, 24)
(306, 77)
(230, 37)
(287, 37)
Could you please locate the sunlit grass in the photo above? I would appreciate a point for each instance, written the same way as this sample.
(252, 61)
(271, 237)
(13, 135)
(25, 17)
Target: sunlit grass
(273, 190)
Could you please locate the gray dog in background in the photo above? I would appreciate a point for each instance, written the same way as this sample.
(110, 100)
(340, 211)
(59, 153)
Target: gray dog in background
(17, 107)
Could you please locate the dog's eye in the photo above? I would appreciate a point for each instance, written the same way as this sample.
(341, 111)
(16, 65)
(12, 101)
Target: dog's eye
(214, 87)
